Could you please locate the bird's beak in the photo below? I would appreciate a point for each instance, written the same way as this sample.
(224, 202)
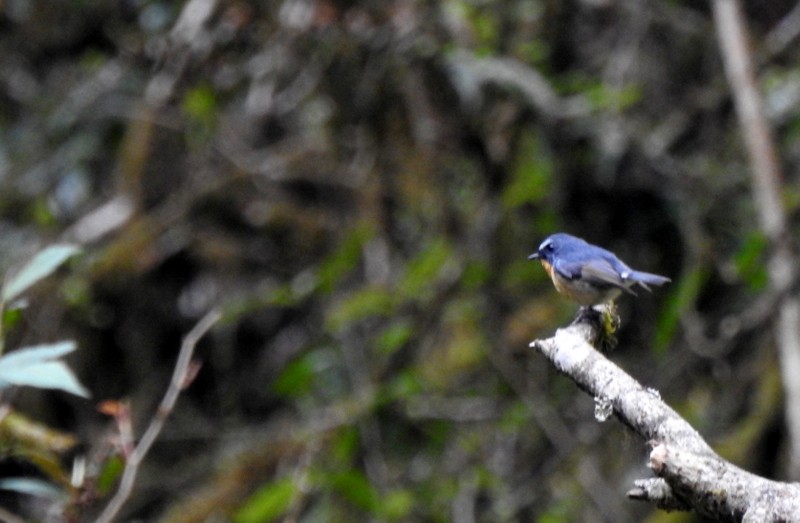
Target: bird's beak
(534, 256)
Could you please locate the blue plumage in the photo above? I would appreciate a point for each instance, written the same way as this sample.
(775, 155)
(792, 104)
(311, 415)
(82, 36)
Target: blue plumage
(587, 273)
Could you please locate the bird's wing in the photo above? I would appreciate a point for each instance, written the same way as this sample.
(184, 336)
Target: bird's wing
(602, 273)
(596, 271)
(569, 270)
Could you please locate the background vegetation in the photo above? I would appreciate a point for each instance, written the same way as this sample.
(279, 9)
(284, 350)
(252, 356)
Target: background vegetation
(357, 184)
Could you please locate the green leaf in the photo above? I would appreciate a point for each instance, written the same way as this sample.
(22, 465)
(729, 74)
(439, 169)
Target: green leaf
(476, 273)
(39, 367)
(363, 303)
(344, 445)
(297, 378)
(532, 175)
(602, 96)
(685, 293)
(515, 417)
(41, 266)
(109, 474)
(397, 505)
(404, 385)
(750, 261)
(268, 503)
(12, 316)
(344, 258)
(423, 270)
(200, 103)
(394, 337)
(356, 488)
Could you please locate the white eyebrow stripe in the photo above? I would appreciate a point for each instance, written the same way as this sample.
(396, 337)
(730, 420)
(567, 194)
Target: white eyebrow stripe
(544, 244)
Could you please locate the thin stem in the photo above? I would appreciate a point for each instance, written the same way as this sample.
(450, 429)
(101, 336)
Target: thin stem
(165, 408)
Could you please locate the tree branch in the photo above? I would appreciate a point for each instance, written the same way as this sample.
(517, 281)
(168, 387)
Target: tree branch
(471, 72)
(690, 474)
(165, 408)
(767, 182)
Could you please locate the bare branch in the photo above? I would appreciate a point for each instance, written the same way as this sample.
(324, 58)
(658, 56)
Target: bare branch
(658, 491)
(693, 475)
(767, 180)
(165, 408)
(470, 73)
(784, 33)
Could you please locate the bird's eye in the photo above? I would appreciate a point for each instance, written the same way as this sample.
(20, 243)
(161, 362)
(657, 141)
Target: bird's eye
(546, 246)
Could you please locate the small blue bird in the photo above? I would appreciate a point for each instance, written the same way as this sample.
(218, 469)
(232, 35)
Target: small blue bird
(589, 274)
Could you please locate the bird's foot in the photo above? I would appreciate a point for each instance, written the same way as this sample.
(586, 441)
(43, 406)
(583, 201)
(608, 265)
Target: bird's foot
(606, 321)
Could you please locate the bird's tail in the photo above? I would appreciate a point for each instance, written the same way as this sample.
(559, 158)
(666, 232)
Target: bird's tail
(645, 278)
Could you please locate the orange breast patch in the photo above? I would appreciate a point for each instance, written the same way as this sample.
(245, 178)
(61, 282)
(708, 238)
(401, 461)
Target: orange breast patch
(548, 268)
(559, 285)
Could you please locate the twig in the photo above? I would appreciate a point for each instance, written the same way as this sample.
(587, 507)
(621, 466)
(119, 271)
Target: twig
(767, 180)
(165, 408)
(470, 72)
(693, 475)
(784, 33)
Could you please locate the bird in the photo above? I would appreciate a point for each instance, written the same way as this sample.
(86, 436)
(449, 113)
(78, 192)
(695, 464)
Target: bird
(588, 274)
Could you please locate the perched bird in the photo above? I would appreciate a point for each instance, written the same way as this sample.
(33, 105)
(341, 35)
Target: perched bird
(586, 273)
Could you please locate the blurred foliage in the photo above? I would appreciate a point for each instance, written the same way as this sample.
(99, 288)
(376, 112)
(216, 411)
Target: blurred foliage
(268, 503)
(358, 185)
(39, 367)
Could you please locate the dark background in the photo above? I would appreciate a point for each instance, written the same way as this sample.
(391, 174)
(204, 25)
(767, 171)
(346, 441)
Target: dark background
(358, 185)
